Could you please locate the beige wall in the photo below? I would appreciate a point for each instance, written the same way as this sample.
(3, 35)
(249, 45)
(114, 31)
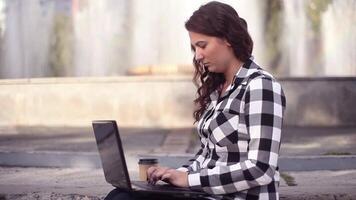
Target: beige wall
(157, 101)
(133, 101)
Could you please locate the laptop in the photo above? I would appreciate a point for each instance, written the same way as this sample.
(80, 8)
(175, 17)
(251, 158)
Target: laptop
(115, 169)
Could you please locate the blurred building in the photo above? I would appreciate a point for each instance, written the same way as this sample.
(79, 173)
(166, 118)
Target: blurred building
(46, 38)
(311, 43)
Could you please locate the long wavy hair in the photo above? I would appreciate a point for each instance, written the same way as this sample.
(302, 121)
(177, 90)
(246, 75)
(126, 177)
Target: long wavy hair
(218, 20)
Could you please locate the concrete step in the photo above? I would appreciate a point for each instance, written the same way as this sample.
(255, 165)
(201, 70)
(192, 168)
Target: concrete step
(18, 183)
(92, 160)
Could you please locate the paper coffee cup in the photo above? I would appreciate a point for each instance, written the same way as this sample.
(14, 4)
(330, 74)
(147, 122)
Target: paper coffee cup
(144, 164)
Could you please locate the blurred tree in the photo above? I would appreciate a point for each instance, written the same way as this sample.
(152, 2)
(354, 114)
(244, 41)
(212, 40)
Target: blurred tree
(61, 48)
(273, 31)
(315, 9)
(2, 30)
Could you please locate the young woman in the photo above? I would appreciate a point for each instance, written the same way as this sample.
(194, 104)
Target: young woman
(239, 112)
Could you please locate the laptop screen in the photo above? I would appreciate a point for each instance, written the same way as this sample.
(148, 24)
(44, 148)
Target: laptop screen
(111, 153)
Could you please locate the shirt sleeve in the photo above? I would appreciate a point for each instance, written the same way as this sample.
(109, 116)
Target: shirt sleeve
(263, 114)
(193, 163)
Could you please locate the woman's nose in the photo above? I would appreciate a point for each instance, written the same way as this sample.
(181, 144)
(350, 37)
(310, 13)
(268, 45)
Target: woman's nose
(198, 56)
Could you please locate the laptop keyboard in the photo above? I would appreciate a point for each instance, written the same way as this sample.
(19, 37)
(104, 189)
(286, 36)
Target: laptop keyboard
(165, 189)
(159, 186)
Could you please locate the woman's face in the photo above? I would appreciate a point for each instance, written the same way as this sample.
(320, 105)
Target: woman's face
(214, 53)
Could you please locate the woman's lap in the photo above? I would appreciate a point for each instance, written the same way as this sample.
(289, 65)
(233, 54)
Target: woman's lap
(118, 194)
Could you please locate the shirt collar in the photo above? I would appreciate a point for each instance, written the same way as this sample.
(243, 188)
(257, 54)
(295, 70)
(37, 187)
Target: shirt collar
(248, 68)
(245, 71)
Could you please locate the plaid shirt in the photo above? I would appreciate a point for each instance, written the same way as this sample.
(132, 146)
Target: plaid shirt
(240, 137)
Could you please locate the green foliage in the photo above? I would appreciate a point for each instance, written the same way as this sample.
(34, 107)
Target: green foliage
(288, 179)
(61, 48)
(273, 31)
(314, 11)
(336, 153)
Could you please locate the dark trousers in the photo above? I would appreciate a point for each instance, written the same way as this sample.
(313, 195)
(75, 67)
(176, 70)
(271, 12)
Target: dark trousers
(118, 194)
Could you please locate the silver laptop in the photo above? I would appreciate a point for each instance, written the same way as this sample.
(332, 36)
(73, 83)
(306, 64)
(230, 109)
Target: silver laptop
(115, 169)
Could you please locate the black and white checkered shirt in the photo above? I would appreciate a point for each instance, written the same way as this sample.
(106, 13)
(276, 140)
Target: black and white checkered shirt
(240, 137)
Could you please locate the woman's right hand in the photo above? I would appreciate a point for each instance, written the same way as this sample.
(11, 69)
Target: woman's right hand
(155, 173)
(168, 175)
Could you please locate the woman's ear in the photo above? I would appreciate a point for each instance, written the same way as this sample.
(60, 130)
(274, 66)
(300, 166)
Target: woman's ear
(227, 43)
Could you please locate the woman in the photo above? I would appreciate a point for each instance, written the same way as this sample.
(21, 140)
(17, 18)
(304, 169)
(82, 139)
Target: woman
(239, 112)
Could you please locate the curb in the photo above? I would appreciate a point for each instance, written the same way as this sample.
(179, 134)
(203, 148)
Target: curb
(92, 160)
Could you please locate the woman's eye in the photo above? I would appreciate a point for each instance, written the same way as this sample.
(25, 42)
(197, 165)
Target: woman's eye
(202, 46)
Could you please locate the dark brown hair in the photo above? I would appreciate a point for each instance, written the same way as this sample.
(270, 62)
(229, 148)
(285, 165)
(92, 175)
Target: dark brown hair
(218, 20)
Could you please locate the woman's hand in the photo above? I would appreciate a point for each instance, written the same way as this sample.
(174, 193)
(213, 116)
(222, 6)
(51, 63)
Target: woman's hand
(168, 175)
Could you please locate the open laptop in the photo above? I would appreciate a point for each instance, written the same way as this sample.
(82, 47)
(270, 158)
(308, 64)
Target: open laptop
(115, 169)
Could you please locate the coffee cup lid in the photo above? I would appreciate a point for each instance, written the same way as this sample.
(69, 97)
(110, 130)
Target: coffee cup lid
(148, 161)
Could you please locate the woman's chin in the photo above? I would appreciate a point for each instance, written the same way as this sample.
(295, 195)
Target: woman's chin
(213, 69)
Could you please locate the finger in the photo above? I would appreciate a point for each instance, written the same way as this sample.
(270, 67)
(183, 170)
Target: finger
(151, 171)
(153, 175)
(171, 170)
(158, 173)
(166, 177)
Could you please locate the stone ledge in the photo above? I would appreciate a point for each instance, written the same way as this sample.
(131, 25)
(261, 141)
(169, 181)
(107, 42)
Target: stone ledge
(92, 160)
(158, 101)
(107, 79)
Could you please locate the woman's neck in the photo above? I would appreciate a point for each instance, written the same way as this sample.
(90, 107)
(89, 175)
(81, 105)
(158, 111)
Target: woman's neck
(230, 75)
(232, 70)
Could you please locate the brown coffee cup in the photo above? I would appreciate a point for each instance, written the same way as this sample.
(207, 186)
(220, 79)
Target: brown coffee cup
(144, 164)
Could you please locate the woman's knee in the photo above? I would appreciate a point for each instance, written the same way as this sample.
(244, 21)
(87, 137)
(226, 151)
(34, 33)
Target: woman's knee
(117, 194)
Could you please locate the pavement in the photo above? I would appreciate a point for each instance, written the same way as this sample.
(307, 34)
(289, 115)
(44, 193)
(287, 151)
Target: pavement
(63, 163)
